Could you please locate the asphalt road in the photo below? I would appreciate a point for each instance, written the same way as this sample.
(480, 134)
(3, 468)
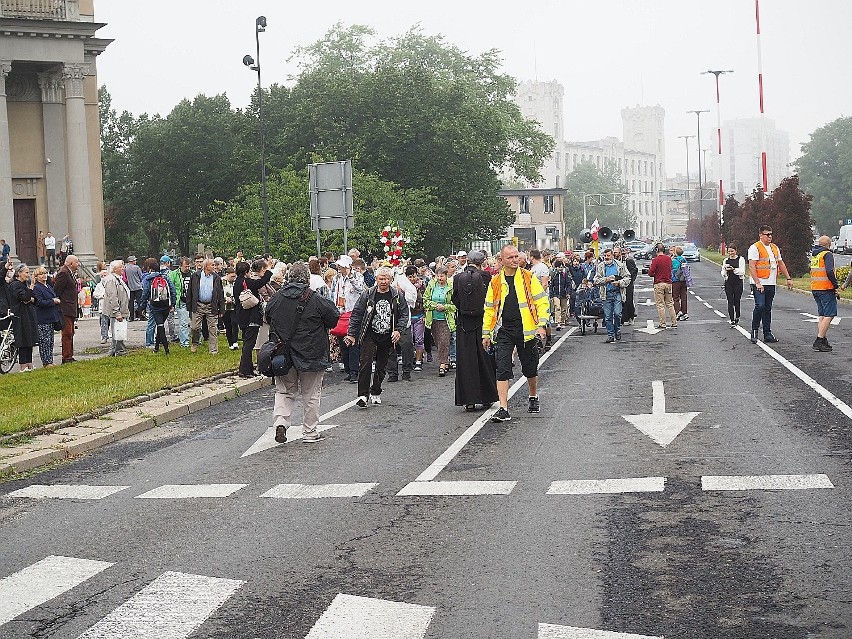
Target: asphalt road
(738, 527)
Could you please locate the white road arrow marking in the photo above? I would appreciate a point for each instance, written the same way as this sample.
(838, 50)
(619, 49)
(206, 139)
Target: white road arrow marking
(650, 329)
(294, 433)
(661, 426)
(648, 302)
(643, 290)
(550, 631)
(815, 318)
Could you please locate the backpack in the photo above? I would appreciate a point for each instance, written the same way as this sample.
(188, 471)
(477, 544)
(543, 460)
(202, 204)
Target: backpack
(472, 292)
(677, 271)
(160, 294)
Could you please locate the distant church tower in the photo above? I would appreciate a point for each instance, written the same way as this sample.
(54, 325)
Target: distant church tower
(50, 158)
(645, 130)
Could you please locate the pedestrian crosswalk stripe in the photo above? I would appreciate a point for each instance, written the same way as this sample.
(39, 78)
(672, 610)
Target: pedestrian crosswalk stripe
(698, 299)
(720, 314)
(350, 617)
(42, 581)
(172, 606)
(425, 488)
(765, 482)
(550, 631)
(304, 491)
(66, 491)
(191, 491)
(607, 486)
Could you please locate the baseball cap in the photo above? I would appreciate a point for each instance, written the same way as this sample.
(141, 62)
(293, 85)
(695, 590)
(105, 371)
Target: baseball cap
(131, 258)
(345, 261)
(461, 253)
(166, 259)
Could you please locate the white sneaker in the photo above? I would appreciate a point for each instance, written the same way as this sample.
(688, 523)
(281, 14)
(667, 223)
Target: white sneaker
(375, 399)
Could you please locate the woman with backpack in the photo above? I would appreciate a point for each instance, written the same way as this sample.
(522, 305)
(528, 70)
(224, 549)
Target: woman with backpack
(158, 291)
(679, 289)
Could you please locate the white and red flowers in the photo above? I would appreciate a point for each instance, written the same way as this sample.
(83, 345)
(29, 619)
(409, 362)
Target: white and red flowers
(392, 243)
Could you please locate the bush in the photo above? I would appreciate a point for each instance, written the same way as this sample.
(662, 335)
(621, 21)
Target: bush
(842, 273)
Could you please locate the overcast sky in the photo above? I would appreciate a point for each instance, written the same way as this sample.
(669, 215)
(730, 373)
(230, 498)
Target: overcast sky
(608, 54)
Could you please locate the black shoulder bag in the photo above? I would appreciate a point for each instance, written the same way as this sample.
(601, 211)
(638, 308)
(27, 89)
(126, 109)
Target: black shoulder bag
(274, 358)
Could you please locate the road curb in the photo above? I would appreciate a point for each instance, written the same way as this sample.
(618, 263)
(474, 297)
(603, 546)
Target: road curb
(77, 436)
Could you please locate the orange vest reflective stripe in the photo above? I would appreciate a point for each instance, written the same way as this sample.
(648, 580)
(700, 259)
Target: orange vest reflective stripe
(819, 278)
(762, 264)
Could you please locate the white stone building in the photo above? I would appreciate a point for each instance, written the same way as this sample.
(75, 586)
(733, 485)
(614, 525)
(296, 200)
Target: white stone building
(542, 102)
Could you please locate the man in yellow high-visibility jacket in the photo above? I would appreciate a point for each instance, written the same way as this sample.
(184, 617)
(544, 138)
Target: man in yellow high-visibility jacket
(517, 305)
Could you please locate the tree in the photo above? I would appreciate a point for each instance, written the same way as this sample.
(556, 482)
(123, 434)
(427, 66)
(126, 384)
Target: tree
(418, 112)
(586, 178)
(825, 169)
(791, 224)
(237, 224)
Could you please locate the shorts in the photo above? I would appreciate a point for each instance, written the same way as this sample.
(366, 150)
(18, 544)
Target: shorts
(826, 302)
(528, 353)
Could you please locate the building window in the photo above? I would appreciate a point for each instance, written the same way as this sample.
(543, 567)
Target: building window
(548, 201)
(633, 166)
(575, 160)
(558, 158)
(523, 204)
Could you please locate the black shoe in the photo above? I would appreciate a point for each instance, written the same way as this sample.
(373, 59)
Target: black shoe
(406, 376)
(769, 338)
(502, 415)
(609, 340)
(618, 336)
(393, 378)
(821, 345)
(754, 337)
(534, 405)
(470, 407)
(281, 434)
(362, 402)
(352, 379)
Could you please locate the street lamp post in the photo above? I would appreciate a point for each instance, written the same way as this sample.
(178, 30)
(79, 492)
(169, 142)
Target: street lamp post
(260, 27)
(717, 73)
(698, 113)
(688, 208)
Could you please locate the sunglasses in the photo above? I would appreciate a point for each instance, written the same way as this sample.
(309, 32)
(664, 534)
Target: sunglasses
(769, 234)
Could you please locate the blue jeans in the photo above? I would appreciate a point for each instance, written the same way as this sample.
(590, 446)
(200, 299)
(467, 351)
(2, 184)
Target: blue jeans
(612, 313)
(763, 308)
(183, 324)
(149, 329)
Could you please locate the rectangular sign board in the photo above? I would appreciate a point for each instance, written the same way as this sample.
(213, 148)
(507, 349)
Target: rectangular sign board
(331, 195)
(673, 194)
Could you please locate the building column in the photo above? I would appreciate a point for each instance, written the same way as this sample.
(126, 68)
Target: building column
(54, 153)
(79, 185)
(7, 214)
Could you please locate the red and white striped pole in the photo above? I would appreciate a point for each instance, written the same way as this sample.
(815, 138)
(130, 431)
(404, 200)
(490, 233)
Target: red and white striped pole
(760, 89)
(719, 137)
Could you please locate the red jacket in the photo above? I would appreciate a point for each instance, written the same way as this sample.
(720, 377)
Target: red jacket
(661, 269)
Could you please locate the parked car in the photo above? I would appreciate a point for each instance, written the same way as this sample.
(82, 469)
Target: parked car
(690, 252)
(635, 246)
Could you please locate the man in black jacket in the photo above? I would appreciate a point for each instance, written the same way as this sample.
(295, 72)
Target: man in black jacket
(205, 301)
(308, 316)
(376, 323)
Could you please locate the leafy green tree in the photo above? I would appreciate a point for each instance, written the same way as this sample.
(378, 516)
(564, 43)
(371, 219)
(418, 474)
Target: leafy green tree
(586, 178)
(416, 111)
(237, 224)
(825, 170)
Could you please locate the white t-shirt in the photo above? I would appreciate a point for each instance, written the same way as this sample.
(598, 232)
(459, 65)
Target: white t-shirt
(50, 242)
(753, 254)
(541, 271)
(316, 282)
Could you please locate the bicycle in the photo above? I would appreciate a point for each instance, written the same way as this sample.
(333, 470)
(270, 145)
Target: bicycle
(8, 350)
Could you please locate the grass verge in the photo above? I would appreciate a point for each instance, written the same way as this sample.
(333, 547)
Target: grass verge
(52, 394)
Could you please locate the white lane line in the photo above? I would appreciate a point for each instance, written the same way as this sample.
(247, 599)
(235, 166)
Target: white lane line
(719, 313)
(66, 491)
(350, 617)
(172, 606)
(707, 305)
(839, 404)
(456, 488)
(447, 456)
(42, 581)
(698, 299)
(294, 433)
(551, 631)
(608, 486)
(191, 491)
(304, 491)
(765, 482)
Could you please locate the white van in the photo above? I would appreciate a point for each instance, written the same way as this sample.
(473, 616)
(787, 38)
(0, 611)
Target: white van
(844, 239)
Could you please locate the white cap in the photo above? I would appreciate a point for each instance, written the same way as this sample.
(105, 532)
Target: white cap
(344, 261)
(461, 253)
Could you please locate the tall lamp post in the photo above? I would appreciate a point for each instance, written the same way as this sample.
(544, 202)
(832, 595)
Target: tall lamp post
(686, 140)
(260, 27)
(717, 73)
(698, 113)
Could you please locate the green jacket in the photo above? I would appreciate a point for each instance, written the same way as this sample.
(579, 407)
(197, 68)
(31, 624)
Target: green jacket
(177, 279)
(449, 307)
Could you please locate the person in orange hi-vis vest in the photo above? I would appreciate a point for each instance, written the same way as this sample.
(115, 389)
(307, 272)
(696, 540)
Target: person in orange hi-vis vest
(764, 262)
(824, 289)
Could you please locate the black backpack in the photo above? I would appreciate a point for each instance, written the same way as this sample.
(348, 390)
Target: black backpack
(472, 291)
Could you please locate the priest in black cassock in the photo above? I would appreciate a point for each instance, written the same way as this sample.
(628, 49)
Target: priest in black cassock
(476, 380)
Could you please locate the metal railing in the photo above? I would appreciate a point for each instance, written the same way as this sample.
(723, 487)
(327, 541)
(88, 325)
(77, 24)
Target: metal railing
(41, 9)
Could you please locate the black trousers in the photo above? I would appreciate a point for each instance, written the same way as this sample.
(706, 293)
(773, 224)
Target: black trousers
(134, 300)
(249, 340)
(406, 348)
(232, 328)
(734, 292)
(370, 350)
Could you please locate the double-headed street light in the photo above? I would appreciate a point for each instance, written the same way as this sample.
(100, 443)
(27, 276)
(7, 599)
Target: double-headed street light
(260, 27)
(698, 113)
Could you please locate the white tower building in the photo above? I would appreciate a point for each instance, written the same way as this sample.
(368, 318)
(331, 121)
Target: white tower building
(542, 102)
